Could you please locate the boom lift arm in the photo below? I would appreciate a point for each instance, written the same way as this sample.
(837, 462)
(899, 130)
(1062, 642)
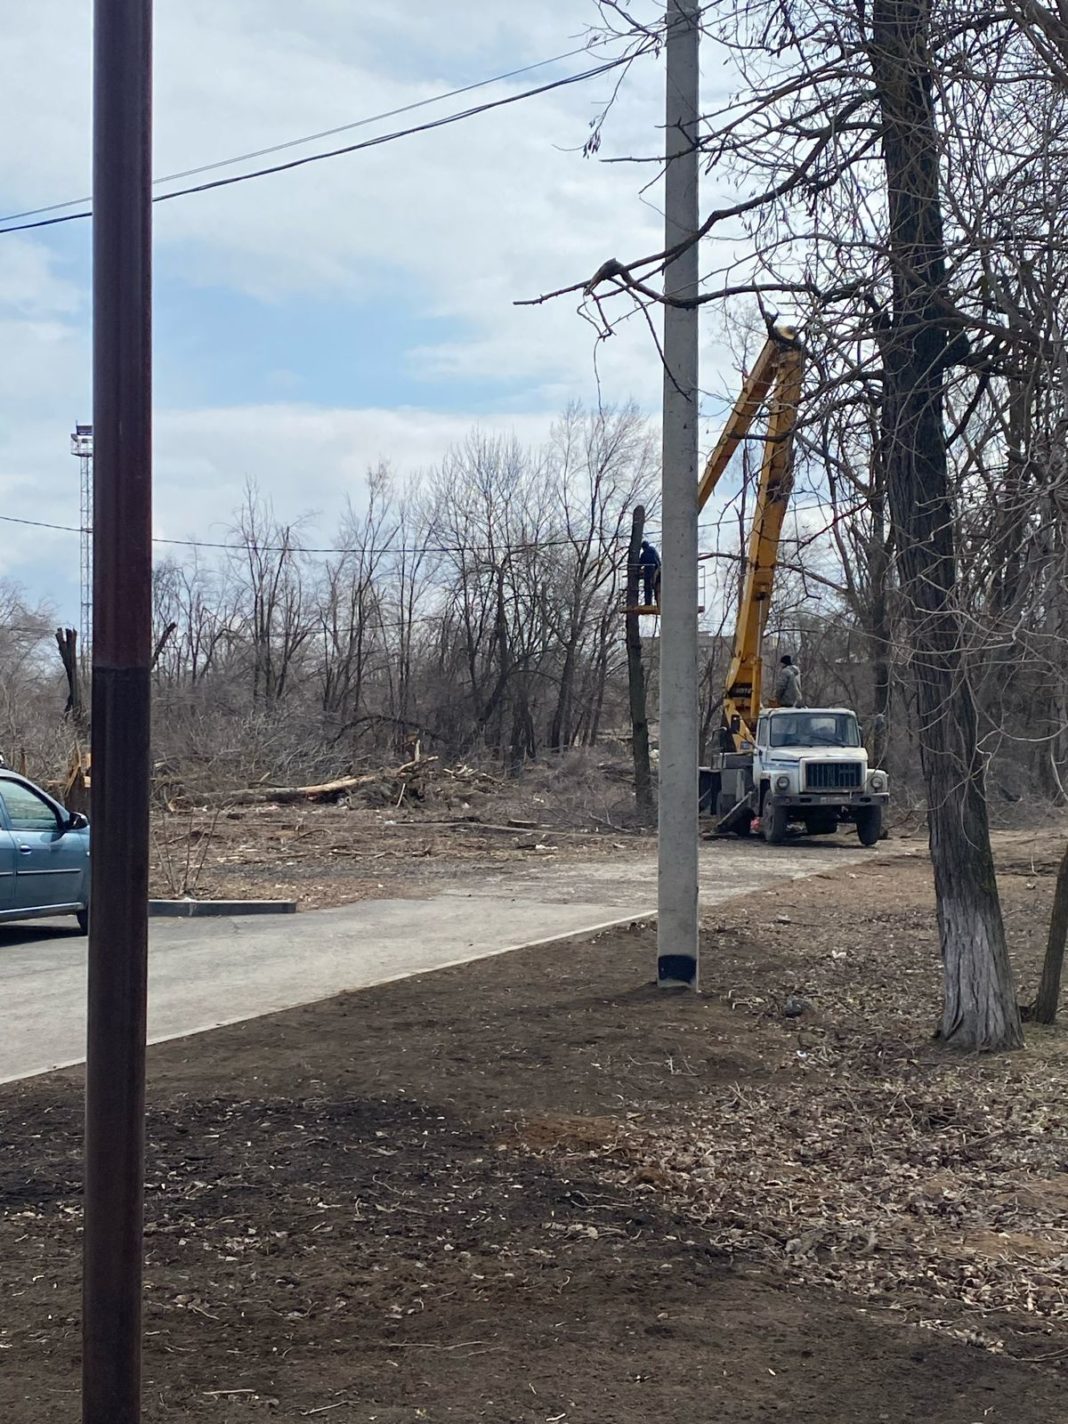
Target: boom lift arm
(777, 372)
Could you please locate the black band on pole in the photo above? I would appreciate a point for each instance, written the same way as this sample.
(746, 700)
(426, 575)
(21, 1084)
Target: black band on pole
(678, 969)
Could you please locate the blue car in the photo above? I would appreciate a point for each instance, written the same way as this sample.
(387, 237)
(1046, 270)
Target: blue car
(44, 855)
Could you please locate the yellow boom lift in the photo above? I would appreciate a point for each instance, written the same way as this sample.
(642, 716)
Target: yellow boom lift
(776, 373)
(779, 766)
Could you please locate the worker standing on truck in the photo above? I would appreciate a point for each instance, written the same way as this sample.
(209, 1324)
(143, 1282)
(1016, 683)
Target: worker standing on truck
(649, 569)
(788, 683)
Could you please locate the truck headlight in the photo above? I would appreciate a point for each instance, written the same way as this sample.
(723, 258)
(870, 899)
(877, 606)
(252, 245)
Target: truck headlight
(782, 783)
(877, 781)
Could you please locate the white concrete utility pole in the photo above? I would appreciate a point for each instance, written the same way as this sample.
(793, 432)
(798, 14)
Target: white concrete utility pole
(677, 923)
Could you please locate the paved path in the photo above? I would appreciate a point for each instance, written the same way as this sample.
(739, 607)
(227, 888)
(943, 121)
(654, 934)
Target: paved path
(204, 972)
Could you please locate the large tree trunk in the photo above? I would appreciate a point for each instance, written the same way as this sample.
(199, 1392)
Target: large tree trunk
(639, 723)
(1049, 989)
(67, 643)
(980, 1009)
(599, 675)
(560, 730)
(1049, 709)
(878, 616)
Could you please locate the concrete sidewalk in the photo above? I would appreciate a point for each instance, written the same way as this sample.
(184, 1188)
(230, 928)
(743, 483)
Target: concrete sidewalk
(205, 973)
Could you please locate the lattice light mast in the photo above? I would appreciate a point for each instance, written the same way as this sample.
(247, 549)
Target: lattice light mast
(81, 445)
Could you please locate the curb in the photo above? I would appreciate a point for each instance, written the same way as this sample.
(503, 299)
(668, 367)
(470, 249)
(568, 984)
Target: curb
(194, 909)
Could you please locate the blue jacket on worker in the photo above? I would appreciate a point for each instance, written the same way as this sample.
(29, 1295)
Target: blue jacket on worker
(649, 569)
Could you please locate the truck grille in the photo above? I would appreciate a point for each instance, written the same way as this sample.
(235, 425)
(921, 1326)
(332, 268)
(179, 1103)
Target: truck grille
(833, 775)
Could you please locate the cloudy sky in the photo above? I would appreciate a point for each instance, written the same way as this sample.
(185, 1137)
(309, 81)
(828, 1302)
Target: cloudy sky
(313, 323)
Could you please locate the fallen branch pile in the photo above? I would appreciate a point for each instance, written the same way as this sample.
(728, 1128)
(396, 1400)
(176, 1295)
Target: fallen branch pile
(420, 780)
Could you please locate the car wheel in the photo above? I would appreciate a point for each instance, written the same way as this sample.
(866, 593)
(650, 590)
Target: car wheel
(83, 921)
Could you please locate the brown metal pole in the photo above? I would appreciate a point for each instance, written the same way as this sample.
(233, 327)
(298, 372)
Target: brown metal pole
(122, 652)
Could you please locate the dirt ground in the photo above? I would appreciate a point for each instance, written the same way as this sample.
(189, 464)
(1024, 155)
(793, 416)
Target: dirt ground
(534, 1190)
(328, 854)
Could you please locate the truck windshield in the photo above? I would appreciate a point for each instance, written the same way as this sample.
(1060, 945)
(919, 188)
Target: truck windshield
(815, 729)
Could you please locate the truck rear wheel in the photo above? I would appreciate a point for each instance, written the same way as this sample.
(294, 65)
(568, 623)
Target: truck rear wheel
(869, 824)
(773, 822)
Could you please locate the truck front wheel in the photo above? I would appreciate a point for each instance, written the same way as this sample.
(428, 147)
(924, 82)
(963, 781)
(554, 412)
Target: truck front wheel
(773, 822)
(869, 824)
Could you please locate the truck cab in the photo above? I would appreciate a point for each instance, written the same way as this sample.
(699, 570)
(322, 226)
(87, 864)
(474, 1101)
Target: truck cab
(808, 767)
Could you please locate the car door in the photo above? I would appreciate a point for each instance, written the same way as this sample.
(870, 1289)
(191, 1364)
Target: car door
(49, 864)
(8, 856)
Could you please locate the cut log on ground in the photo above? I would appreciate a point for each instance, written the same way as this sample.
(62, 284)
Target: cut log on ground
(321, 791)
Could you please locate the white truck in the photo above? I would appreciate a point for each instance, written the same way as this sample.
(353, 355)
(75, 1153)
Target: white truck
(808, 767)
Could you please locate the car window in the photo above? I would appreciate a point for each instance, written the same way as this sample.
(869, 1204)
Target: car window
(26, 810)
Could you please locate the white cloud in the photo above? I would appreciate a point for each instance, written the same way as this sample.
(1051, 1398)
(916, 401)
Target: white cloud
(310, 459)
(457, 223)
(29, 283)
(461, 221)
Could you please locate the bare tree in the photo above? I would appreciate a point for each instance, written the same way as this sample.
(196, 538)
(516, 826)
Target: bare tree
(269, 569)
(866, 207)
(1049, 990)
(602, 464)
(349, 608)
(980, 1008)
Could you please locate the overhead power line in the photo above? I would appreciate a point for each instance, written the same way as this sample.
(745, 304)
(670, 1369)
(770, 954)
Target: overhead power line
(230, 546)
(531, 546)
(591, 73)
(323, 133)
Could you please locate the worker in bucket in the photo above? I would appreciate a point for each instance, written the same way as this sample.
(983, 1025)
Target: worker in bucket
(649, 569)
(788, 683)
